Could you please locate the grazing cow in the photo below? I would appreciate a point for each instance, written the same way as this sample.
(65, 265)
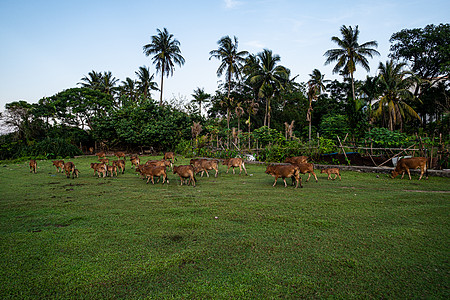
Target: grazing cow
(69, 168)
(111, 170)
(330, 171)
(169, 156)
(234, 163)
(96, 166)
(186, 171)
(102, 170)
(307, 168)
(153, 171)
(285, 171)
(59, 164)
(296, 160)
(104, 160)
(158, 163)
(76, 172)
(100, 154)
(411, 163)
(120, 164)
(119, 154)
(33, 166)
(135, 161)
(203, 165)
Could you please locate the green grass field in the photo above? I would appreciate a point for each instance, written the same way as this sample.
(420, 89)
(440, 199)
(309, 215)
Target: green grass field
(231, 237)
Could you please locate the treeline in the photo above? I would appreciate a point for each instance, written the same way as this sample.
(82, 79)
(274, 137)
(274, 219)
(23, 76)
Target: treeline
(258, 103)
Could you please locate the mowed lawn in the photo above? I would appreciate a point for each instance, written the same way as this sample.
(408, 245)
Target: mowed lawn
(231, 237)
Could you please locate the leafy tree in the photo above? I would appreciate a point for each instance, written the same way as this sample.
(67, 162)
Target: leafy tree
(350, 53)
(167, 53)
(268, 78)
(231, 63)
(395, 83)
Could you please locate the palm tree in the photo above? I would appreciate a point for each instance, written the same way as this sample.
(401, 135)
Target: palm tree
(371, 91)
(396, 85)
(200, 97)
(316, 85)
(350, 53)
(108, 83)
(128, 89)
(269, 78)
(93, 80)
(231, 62)
(252, 109)
(145, 82)
(167, 53)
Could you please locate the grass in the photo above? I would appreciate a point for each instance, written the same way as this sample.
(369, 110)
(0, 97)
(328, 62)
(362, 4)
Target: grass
(229, 237)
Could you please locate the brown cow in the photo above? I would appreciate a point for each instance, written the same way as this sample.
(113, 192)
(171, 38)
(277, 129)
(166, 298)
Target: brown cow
(76, 172)
(100, 154)
(135, 161)
(153, 171)
(169, 156)
(102, 170)
(59, 164)
(330, 171)
(96, 166)
(120, 164)
(119, 154)
(158, 163)
(411, 163)
(307, 168)
(296, 160)
(69, 168)
(285, 171)
(33, 166)
(111, 170)
(104, 160)
(186, 171)
(203, 165)
(234, 163)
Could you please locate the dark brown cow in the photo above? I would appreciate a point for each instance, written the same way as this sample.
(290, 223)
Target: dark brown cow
(285, 171)
(59, 164)
(153, 171)
(296, 160)
(33, 166)
(119, 154)
(186, 171)
(234, 163)
(120, 164)
(405, 164)
(204, 165)
(69, 168)
(330, 171)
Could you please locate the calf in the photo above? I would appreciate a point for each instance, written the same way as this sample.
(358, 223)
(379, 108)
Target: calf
(33, 166)
(411, 163)
(59, 164)
(186, 171)
(120, 164)
(234, 163)
(153, 171)
(204, 165)
(111, 170)
(330, 171)
(285, 171)
(135, 161)
(76, 172)
(69, 168)
(296, 160)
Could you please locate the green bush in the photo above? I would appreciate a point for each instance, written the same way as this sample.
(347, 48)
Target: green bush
(383, 137)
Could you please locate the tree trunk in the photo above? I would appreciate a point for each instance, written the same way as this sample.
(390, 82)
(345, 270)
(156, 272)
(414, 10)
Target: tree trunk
(162, 82)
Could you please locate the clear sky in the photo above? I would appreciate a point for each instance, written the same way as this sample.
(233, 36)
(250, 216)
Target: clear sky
(48, 45)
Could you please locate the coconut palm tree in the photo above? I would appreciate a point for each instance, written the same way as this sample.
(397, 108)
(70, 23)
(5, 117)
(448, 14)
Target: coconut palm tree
(108, 83)
(350, 53)
(231, 63)
(396, 85)
(145, 81)
(128, 89)
(167, 53)
(316, 85)
(93, 80)
(200, 97)
(269, 78)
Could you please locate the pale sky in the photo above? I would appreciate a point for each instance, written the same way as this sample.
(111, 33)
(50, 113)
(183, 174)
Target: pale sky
(47, 46)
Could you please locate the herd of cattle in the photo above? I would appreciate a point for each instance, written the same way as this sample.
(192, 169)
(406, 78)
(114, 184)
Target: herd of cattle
(293, 167)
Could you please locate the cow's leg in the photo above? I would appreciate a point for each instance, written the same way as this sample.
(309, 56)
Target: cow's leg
(207, 174)
(276, 178)
(339, 176)
(217, 172)
(243, 165)
(228, 169)
(285, 184)
(309, 176)
(403, 174)
(315, 176)
(233, 171)
(409, 173)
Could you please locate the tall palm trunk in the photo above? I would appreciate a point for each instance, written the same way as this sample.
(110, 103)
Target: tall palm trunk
(162, 82)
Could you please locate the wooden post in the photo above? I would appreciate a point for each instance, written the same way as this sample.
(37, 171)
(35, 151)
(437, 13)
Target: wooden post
(343, 150)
